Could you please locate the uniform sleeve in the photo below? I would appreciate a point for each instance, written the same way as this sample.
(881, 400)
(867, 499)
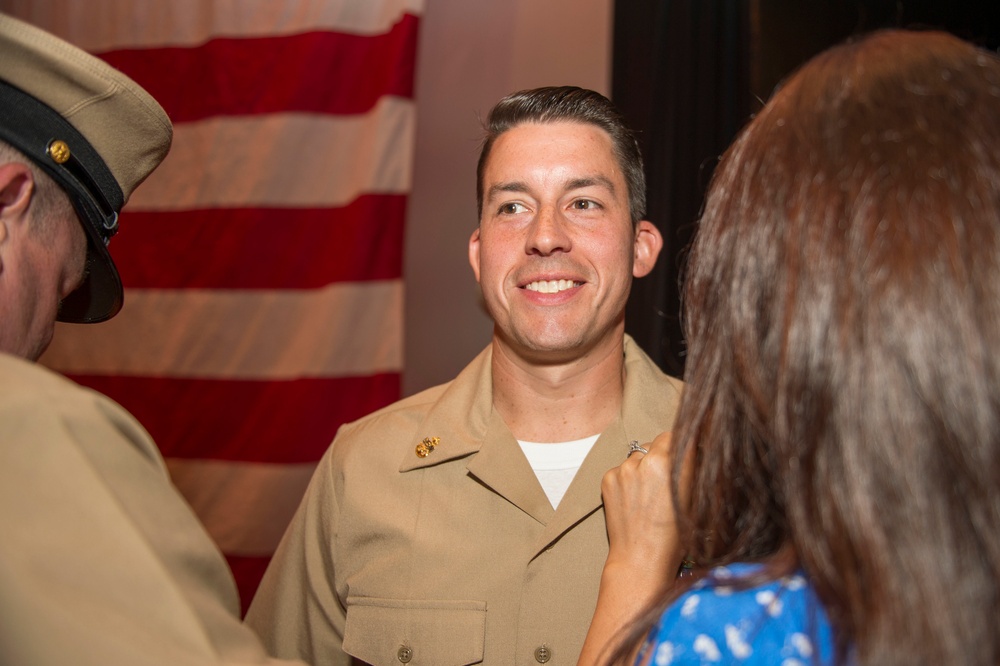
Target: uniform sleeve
(296, 610)
(101, 561)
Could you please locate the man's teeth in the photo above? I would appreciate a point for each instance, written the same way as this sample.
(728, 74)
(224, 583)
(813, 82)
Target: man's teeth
(550, 286)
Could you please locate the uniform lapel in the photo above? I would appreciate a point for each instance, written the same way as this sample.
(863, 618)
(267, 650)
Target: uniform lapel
(466, 425)
(502, 466)
(457, 423)
(463, 423)
(648, 408)
(583, 496)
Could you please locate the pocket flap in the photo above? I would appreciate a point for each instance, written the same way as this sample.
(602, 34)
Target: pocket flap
(391, 632)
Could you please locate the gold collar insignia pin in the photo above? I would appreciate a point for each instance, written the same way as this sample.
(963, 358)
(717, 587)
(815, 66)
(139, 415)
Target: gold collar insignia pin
(425, 447)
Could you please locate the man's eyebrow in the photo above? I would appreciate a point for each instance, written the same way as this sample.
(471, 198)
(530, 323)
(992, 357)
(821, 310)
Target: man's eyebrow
(591, 181)
(516, 186)
(521, 187)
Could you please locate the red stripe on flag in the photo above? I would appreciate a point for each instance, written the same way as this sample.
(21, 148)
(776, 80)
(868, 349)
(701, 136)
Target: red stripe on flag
(318, 72)
(270, 421)
(248, 571)
(260, 248)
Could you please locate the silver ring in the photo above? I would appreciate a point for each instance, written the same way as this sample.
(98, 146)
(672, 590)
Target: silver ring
(633, 447)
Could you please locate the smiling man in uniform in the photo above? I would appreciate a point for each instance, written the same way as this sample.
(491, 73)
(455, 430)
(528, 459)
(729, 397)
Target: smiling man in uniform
(464, 524)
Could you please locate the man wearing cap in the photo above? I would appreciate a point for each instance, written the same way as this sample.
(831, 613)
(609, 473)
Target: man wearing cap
(101, 560)
(464, 524)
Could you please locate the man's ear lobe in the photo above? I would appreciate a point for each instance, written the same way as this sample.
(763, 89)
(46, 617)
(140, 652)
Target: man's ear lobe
(648, 243)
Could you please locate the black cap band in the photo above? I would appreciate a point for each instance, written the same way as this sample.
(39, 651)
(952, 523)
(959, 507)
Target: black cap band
(34, 128)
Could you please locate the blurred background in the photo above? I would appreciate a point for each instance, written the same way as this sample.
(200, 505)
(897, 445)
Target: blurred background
(299, 260)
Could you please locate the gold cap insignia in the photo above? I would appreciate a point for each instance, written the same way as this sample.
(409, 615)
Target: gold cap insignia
(58, 150)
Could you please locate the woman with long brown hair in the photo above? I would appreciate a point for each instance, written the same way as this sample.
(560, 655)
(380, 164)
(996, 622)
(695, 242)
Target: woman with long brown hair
(836, 459)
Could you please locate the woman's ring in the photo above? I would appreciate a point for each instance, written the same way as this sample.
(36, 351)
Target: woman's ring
(633, 446)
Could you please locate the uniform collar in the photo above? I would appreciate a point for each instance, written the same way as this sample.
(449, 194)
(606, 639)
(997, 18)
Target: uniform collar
(465, 424)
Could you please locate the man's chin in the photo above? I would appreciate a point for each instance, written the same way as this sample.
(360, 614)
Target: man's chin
(550, 348)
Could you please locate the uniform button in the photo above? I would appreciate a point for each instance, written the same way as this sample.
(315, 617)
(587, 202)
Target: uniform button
(542, 654)
(404, 654)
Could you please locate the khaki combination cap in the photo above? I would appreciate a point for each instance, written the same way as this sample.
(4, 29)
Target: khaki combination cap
(95, 131)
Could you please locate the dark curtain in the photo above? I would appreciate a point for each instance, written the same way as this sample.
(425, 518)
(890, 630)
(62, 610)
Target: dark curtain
(680, 77)
(687, 74)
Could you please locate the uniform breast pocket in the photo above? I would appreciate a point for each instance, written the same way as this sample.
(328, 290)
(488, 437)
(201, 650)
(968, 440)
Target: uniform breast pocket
(390, 632)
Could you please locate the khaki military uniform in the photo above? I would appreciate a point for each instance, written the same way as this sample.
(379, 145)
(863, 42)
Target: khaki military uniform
(426, 539)
(101, 561)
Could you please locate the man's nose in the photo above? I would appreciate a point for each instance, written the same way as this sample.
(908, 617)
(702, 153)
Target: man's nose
(548, 233)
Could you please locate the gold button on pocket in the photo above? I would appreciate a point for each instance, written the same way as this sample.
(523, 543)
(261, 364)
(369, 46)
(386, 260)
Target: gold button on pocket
(415, 631)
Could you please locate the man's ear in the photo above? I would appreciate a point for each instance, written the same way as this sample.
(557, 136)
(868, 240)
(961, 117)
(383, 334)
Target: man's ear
(648, 243)
(17, 186)
(474, 241)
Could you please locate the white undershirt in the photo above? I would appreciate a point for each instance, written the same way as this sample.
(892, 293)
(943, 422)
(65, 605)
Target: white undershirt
(556, 464)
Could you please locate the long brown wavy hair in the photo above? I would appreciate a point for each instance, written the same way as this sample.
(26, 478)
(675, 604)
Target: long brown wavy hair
(842, 311)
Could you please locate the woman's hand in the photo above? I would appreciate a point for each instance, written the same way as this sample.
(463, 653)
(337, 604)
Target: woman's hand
(644, 556)
(642, 526)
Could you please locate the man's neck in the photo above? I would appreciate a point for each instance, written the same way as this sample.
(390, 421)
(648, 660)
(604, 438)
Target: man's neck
(558, 402)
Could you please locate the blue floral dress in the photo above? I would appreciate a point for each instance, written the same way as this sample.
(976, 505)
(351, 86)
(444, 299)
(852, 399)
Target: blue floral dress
(779, 623)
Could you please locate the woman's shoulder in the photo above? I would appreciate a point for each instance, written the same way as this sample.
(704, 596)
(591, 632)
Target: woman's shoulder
(723, 620)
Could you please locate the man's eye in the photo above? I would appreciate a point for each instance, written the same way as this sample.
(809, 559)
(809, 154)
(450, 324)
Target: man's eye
(511, 209)
(585, 204)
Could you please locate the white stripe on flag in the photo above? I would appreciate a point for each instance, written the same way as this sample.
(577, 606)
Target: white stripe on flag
(244, 506)
(323, 161)
(106, 25)
(345, 329)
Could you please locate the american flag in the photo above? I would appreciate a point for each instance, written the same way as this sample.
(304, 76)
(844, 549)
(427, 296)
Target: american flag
(262, 262)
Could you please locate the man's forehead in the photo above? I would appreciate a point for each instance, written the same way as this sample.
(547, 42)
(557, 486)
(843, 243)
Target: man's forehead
(572, 154)
(555, 130)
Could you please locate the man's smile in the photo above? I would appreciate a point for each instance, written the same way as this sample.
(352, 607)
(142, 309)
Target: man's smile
(551, 286)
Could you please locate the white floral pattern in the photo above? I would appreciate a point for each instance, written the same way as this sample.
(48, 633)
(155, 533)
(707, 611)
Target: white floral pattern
(718, 622)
